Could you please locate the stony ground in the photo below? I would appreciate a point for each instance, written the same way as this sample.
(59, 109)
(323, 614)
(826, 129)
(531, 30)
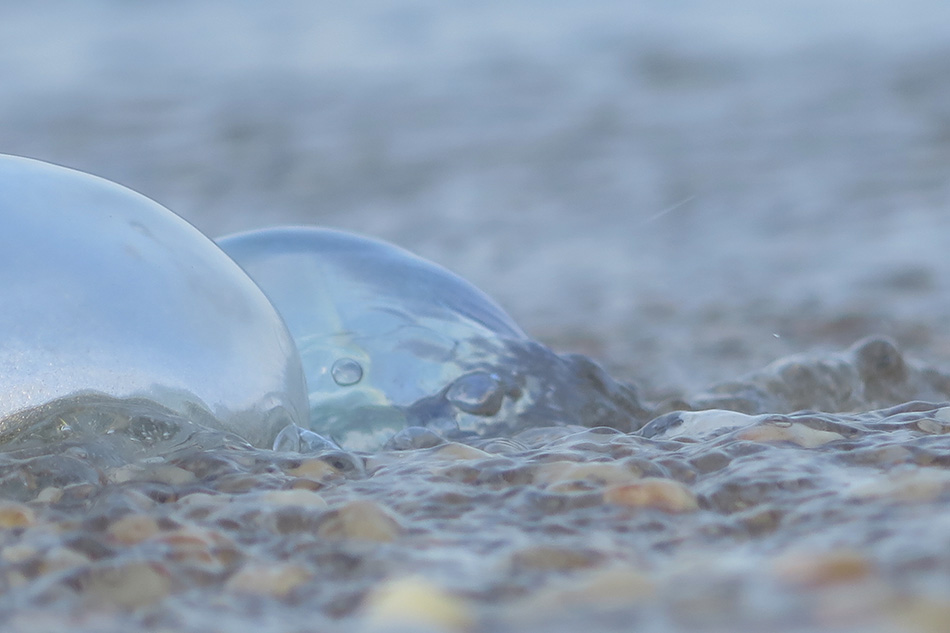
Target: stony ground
(685, 191)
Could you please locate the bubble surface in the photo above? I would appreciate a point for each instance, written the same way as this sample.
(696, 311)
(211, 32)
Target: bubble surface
(106, 292)
(390, 340)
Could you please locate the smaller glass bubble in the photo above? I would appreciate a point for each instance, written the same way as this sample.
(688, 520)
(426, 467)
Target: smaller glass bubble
(477, 392)
(346, 372)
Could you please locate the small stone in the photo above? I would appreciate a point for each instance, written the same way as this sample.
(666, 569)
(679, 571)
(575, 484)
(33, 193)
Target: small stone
(130, 585)
(454, 450)
(936, 426)
(62, 558)
(602, 473)
(923, 614)
(18, 553)
(203, 499)
(804, 436)
(160, 473)
(416, 603)
(198, 546)
(363, 520)
(49, 495)
(315, 469)
(547, 557)
(276, 580)
(615, 586)
(14, 515)
(908, 485)
(662, 494)
(297, 497)
(823, 569)
(133, 528)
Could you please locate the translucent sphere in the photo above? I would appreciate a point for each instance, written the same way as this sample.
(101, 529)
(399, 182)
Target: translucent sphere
(108, 293)
(399, 350)
(387, 338)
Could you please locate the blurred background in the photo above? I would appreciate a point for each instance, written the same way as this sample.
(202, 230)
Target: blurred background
(683, 189)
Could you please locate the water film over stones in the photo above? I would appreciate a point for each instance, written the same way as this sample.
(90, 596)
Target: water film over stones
(108, 295)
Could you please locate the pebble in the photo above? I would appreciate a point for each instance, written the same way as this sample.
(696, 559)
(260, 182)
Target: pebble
(615, 585)
(804, 436)
(823, 569)
(363, 520)
(601, 473)
(276, 580)
(128, 585)
(62, 558)
(906, 485)
(200, 546)
(415, 602)
(18, 553)
(15, 515)
(133, 528)
(297, 497)
(454, 450)
(662, 494)
(314, 469)
(552, 558)
(160, 473)
(49, 494)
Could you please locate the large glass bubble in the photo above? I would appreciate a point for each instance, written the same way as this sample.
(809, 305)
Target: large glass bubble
(389, 341)
(107, 294)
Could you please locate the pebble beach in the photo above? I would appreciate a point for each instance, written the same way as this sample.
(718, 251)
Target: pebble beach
(740, 209)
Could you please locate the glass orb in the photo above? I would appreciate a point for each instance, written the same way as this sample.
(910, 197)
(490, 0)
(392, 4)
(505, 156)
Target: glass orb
(106, 292)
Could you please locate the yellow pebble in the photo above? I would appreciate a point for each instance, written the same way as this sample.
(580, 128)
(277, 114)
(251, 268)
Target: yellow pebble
(14, 515)
(133, 528)
(614, 586)
(823, 569)
(804, 436)
(595, 472)
(18, 553)
(315, 469)
(454, 450)
(62, 558)
(130, 585)
(161, 473)
(275, 580)
(651, 492)
(363, 520)
(416, 602)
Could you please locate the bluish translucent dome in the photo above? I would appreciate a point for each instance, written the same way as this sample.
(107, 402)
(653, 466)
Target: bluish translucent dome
(378, 328)
(390, 340)
(106, 292)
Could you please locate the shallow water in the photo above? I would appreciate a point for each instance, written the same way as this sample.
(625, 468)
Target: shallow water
(685, 191)
(717, 521)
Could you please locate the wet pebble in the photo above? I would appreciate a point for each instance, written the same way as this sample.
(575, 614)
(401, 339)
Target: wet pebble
(415, 603)
(821, 569)
(15, 515)
(661, 494)
(133, 528)
(361, 520)
(126, 585)
(785, 431)
(277, 580)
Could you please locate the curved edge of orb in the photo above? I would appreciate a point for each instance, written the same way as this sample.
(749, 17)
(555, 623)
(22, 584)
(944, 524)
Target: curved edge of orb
(108, 291)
